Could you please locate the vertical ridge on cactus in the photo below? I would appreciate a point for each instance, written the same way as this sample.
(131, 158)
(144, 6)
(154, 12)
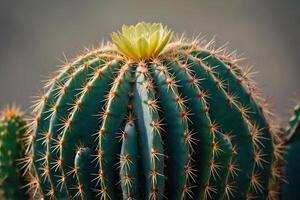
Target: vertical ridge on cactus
(12, 133)
(151, 119)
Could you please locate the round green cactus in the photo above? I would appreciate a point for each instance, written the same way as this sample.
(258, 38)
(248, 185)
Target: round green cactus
(290, 188)
(12, 133)
(151, 118)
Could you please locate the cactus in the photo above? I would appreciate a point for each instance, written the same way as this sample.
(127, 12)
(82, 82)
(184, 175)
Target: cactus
(290, 188)
(147, 118)
(12, 131)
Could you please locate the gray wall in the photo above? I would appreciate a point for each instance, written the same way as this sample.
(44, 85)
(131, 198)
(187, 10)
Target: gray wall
(33, 34)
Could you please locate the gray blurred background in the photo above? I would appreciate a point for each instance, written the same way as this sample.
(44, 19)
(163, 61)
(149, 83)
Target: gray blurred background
(34, 34)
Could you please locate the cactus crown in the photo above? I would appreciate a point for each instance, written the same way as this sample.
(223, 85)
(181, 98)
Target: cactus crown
(11, 112)
(143, 40)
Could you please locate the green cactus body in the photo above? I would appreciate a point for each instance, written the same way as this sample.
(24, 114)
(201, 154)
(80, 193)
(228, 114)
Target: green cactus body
(290, 188)
(12, 131)
(129, 162)
(190, 123)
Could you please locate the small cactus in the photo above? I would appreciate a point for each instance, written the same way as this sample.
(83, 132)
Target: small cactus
(146, 118)
(12, 132)
(290, 188)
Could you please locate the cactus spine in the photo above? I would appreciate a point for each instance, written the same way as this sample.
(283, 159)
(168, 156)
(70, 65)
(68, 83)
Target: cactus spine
(149, 119)
(12, 132)
(290, 189)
